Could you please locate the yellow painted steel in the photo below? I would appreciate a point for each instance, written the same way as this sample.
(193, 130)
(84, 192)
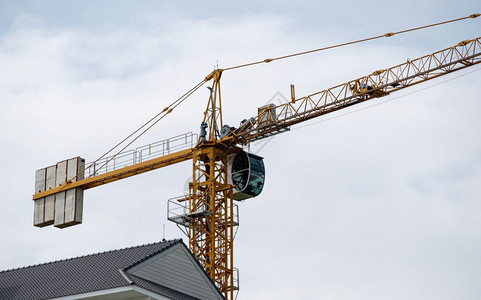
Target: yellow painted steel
(211, 234)
(213, 111)
(377, 84)
(121, 173)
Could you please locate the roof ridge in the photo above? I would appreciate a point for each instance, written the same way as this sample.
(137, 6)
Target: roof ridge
(170, 243)
(174, 242)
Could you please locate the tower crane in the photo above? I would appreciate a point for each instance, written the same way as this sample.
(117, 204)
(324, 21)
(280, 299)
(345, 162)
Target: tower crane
(222, 171)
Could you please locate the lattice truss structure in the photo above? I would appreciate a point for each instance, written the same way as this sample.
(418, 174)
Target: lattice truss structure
(379, 83)
(211, 234)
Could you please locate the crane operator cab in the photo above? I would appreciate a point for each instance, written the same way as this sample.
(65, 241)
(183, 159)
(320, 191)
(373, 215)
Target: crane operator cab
(246, 172)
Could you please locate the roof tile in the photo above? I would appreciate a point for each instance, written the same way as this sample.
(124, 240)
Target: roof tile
(82, 275)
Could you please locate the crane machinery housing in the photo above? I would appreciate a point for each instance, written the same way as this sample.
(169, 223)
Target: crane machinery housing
(223, 172)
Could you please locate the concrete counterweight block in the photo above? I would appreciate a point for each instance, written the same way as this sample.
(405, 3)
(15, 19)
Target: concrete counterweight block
(39, 204)
(44, 208)
(64, 208)
(69, 203)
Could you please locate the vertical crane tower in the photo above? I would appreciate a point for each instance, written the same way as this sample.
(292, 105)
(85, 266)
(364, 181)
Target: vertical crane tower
(222, 171)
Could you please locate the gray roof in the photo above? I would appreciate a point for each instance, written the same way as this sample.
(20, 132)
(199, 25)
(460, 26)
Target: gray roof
(112, 269)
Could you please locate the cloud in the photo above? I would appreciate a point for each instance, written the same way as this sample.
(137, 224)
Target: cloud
(380, 203)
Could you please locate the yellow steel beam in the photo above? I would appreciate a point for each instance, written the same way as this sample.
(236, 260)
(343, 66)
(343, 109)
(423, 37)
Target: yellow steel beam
(379, 83)
(211, 236)
(121, 173)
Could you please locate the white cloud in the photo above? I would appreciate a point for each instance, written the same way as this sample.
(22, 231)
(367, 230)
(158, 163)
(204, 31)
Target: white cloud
(381, 203)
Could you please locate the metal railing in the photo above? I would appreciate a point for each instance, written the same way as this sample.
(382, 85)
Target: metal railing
(178, 212)
(236, 279)
(141, 154)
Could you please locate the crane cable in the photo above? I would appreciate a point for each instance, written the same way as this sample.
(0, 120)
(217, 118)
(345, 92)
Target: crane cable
(389, 34)
(168, 109)
(181, 99)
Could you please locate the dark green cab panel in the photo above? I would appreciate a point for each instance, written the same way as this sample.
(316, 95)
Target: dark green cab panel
(247, 174)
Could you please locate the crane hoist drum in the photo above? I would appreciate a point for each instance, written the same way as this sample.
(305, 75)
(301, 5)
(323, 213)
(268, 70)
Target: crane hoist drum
(246, 172)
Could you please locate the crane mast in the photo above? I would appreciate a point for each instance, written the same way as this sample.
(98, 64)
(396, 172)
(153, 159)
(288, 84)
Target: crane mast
(208, 212)
(210, 219)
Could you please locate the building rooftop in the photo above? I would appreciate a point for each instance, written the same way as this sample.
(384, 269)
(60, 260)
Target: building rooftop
(166, 268)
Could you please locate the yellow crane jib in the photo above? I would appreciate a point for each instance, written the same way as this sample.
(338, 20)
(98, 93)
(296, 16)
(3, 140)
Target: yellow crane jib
(274, 119)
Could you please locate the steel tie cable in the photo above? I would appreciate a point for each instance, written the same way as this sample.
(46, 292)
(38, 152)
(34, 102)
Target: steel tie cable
(389, 34)
(166, 111)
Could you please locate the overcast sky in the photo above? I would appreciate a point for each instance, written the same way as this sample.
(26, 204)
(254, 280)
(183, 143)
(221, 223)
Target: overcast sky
(372, 202)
